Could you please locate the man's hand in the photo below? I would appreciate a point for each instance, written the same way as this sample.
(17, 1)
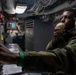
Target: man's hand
(7, 56)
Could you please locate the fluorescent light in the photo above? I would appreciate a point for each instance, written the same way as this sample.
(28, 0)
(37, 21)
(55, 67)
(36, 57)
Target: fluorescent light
(20, 9)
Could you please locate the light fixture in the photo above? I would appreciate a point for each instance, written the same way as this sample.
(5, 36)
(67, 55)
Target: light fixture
(20, 9)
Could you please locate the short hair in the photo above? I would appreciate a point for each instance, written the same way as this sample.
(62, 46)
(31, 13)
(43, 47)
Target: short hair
(60, 26)
(73, 10)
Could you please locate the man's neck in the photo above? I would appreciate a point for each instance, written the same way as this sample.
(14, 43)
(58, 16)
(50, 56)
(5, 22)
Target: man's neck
(70, 28)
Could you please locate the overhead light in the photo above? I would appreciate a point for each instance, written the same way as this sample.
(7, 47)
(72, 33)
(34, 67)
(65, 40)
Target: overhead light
(20, 9)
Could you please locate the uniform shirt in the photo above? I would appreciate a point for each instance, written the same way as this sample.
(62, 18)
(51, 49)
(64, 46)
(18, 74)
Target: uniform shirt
(59, 59)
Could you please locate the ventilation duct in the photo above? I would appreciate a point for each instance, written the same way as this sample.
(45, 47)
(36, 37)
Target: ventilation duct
(10, 4)
(46, 3)
(41, 5)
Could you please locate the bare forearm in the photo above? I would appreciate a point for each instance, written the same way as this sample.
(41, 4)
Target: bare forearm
(10, 58)
(14, 59)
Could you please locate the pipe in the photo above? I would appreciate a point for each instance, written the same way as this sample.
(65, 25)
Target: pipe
(10, 6)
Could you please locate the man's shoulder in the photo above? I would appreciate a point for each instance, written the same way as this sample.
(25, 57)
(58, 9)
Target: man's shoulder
(74, 31)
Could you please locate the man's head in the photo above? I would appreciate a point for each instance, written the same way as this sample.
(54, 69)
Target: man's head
(67, 17)
(58, 30)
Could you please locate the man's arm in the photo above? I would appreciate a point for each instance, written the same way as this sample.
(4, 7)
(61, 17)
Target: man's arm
(8, 57)
(56, 60)
(42, 61)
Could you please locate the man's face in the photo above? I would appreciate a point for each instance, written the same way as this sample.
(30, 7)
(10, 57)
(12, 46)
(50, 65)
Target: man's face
(57, 33)
(58, 30)
(67, 18)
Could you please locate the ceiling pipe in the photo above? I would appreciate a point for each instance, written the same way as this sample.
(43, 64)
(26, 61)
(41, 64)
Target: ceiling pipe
(10, 6)
(60, 7)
